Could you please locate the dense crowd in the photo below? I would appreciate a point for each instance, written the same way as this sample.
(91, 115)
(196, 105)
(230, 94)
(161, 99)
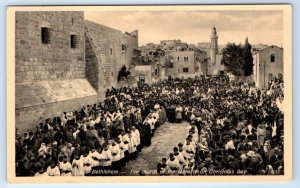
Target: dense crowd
(233, 126)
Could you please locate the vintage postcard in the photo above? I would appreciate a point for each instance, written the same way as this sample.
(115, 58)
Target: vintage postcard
(149, 93)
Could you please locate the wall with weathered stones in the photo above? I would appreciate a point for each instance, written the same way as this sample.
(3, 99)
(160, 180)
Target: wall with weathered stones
(104, 54)
(50, 78)
(37, 61)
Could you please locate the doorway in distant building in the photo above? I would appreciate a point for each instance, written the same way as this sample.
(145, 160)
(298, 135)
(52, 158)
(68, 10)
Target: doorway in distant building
(142, 78)
(222, 73)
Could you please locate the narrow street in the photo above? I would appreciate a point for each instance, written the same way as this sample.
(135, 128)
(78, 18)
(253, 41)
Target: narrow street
(166, 137)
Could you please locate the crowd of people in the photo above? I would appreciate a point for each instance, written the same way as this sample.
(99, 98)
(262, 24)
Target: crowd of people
(233, 126)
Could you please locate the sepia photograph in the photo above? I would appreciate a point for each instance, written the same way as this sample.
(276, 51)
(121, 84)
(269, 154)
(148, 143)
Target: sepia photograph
(149, 93)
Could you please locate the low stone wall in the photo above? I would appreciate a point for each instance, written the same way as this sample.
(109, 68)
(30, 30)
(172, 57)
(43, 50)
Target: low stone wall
(37, 101)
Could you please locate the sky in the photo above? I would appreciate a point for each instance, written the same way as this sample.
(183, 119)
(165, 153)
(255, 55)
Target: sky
(260, 26)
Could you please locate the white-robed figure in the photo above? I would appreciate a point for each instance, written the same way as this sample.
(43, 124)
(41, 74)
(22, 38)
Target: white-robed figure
(87, 163)
(125, 139)
(136, 134)
(65, 167)
(173, 163)
(193, 136)
(179, 156)
(185, 155)
(77, 165)
(229, 145)
(116, 154)
(53, 169)
(122, 151)
(132, 146)
(189, 148)
(95, 156)
(151, 121)
(178, 112)
(107, 157)
(43, 150)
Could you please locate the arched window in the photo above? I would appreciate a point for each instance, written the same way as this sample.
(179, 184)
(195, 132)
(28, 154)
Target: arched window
(178, 58)
(272, 58)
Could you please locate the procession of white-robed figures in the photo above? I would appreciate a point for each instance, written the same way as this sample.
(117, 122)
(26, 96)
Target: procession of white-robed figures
(233, 126)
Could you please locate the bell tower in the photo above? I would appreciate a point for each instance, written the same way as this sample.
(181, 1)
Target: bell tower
(213, 46)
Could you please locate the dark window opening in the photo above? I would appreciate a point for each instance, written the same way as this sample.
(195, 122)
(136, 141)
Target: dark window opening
(123, 47)
(171, 65)
(178, 58)
(111, 51)
(185, 69)
(74, 41)
(272, 58)
(156, 71)
(46, 35)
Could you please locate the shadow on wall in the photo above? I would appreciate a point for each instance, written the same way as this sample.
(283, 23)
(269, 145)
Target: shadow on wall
(92, 70)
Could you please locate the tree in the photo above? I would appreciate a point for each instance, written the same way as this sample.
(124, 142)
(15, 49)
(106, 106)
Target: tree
(248, 59)
(232, 59)
(238, 59)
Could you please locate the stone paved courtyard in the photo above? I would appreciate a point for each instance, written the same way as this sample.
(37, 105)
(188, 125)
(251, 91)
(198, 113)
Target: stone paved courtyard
(166, 137)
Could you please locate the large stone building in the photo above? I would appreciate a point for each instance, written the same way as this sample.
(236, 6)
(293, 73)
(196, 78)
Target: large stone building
(268, 63)
(63, 62)
(186, 64)
(107, 50)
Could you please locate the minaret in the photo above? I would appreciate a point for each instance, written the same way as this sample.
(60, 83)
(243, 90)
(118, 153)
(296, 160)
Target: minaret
(214, 46)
